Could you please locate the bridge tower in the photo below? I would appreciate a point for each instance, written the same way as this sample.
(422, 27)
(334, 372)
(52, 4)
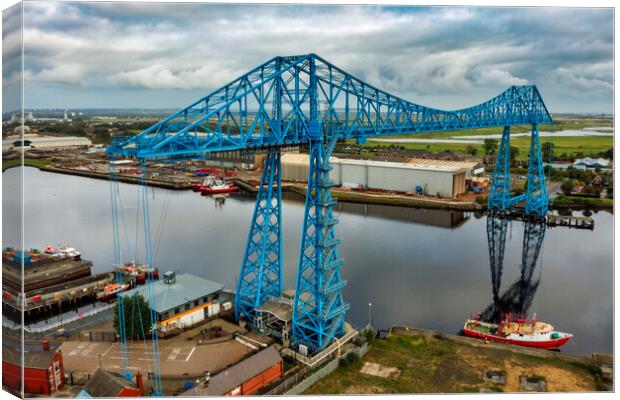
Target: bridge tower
(261, 269)
(319, 309)
(499, 196)
(536, 197)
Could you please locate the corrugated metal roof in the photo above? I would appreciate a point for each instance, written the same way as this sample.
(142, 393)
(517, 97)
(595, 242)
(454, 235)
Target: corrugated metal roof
(188, 287)
(444, 163)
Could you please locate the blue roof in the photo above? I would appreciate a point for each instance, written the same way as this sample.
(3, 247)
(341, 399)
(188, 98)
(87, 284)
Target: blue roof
(188, 287)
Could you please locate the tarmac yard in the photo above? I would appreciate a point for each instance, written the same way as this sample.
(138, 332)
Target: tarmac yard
(86, 357)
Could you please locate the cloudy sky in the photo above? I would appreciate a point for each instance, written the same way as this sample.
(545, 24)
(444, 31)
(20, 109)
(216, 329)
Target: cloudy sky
(141, 55)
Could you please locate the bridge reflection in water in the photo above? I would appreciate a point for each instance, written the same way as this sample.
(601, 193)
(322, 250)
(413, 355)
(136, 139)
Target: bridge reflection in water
(517, 299)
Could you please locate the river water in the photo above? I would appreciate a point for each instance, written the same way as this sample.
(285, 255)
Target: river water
(417, 267)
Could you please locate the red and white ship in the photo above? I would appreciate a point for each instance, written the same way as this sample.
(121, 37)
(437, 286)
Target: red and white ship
(213, 186)
(139, 272)
(111, 290)
(518, 331)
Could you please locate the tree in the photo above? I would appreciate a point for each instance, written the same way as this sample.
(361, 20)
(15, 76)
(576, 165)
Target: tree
(514, 153)
(547, 151)
(471, 150)
(567, 187)
(137, 316)
(490, 146)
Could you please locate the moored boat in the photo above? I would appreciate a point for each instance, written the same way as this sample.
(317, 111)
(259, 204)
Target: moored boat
(110, 291)
(519, 332)
(213, 186)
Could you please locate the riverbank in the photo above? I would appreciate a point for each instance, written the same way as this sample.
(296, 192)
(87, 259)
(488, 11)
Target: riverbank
(413, 360)
(345, 195)
(161, 183)
(28, 162)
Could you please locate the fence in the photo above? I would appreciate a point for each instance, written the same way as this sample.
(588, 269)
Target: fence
(300, 381)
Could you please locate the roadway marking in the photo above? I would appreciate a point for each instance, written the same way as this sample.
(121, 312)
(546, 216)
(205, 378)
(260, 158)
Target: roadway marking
(190, 353)
(173, 355)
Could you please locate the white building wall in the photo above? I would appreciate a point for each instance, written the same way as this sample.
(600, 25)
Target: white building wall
(406, 180)
(377, 176)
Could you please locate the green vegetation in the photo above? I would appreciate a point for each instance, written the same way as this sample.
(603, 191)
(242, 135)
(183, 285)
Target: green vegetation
(565, 148)
(563, 201)
(137, 316)
(28, 162)
(441, 365)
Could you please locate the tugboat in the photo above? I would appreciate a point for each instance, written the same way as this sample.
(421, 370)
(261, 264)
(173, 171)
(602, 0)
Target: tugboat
(111, 290)
(518, 331)
(213, 186)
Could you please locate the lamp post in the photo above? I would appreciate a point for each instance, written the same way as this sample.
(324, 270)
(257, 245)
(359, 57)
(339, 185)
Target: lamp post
(369, 315)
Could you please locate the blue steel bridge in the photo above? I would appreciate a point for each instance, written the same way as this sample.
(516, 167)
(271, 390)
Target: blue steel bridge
(306, 101)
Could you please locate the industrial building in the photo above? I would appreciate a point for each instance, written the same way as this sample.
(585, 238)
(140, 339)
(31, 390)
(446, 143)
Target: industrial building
(245, 378)
(184, 300)
(44, 372)
(34, 141)
(432, 177)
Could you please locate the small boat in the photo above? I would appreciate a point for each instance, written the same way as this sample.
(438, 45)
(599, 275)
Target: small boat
(138, 272)
(213, 186)
(518, 331)
(63, 251)
(111, 290)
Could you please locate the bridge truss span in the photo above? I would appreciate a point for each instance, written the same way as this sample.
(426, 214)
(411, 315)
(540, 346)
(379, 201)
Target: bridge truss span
(304, 100)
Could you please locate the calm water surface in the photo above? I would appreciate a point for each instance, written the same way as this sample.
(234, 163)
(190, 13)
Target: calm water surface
(417, 267)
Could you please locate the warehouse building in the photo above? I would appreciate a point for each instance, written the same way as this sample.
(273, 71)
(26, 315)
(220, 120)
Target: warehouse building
(34, 141)
(184, 300)
(432, 177)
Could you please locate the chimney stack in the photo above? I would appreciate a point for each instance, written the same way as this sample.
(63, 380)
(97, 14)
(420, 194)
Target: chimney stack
(46, 345)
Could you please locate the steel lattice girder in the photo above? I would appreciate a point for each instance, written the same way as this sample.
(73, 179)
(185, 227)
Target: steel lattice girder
(537, 199)
(261, 269)
(271, 106)
(499, 196)
(319, 309)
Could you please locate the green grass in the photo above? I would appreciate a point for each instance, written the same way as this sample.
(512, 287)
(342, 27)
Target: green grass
(571, 146)
(430, 365)
(28, 162)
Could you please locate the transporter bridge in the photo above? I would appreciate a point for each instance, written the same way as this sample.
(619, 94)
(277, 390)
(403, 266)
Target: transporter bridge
(275, 106)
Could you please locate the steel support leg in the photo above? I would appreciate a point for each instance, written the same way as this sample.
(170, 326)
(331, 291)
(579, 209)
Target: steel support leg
(319, 309)
(537, 200)
(261, 269)
(499, 196)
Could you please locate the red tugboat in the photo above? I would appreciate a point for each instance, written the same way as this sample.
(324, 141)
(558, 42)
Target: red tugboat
(519, 332)
(213, 186)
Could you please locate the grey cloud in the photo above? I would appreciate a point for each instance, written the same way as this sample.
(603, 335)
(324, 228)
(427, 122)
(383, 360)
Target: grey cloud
(462, 54)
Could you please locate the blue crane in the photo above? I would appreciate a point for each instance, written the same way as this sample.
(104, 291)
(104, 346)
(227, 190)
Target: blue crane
(304, 100)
